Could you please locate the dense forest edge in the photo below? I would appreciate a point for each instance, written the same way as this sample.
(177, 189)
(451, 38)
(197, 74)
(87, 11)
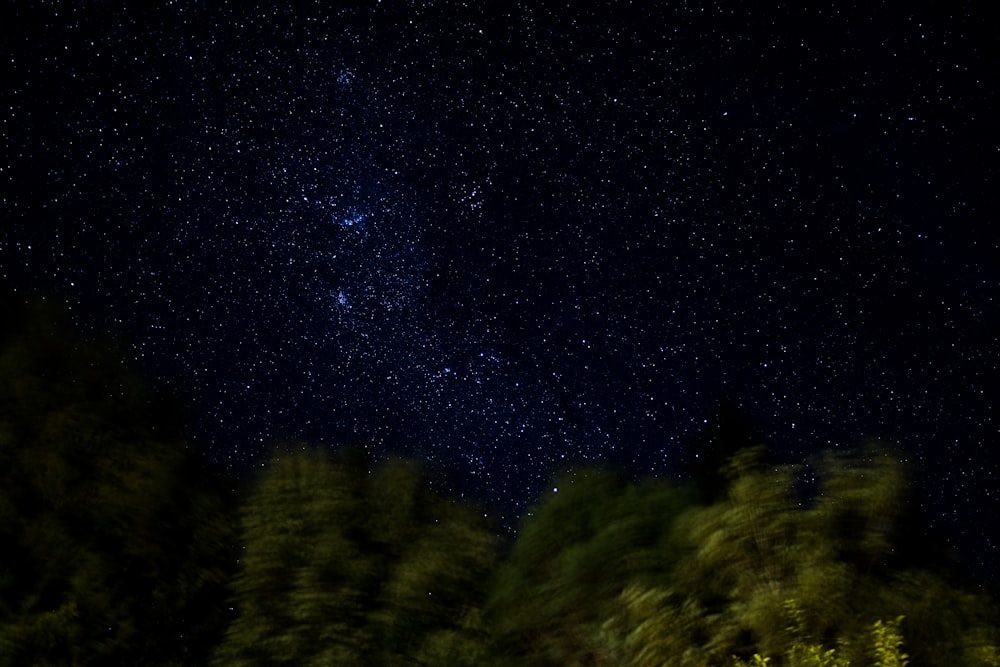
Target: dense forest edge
(121, 547)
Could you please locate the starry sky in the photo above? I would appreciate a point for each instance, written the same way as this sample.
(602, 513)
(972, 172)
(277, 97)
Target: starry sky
(505, 237)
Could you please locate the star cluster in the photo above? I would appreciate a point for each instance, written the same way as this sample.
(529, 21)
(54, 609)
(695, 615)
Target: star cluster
(509, 239)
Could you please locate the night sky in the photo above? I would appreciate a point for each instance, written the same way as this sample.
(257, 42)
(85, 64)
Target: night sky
(506, 239)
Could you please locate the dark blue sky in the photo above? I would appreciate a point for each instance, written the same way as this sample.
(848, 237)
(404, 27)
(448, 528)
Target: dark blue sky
(504, 239)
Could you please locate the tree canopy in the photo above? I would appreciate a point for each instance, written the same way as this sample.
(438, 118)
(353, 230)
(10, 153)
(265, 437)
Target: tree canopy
(115, 546)
(118, 548)
(345, 565)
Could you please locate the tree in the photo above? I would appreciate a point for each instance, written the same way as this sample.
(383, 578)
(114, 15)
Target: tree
(343, 565)
(727, 431)
(114, 551)
(774, 574)
(576, 551)
(437, 557)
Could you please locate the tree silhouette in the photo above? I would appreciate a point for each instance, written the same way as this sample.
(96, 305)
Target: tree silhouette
(727, 431)
(114, 551)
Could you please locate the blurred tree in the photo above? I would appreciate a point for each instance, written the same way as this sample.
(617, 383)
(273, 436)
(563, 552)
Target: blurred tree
(802, 579)
(652, 627)
(574, 555)
(304, 583)
(114, 551)
(347, 566)
(438, 556)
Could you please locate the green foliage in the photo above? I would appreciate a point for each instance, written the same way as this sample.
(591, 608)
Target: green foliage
(346, 567)
(886, 647)
(746, 554)
(108, 556)
(862, 505)
(773, 573)
(804, 651)
(983, 655)
(887, 644)
(575, 554)
(814, 655)
(116, 551)
(653, 627)
(297, 566)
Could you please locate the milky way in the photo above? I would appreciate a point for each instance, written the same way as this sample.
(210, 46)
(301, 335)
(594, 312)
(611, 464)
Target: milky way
(507, 241)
